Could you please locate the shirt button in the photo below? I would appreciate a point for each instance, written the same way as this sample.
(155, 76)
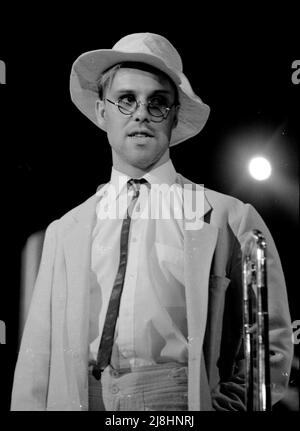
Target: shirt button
(114, 373)
(114, 389)
(134, 240)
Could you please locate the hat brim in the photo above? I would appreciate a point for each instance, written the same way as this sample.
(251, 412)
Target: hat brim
(88, 68)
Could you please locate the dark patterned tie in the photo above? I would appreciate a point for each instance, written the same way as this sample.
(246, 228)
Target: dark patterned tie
(107, 339)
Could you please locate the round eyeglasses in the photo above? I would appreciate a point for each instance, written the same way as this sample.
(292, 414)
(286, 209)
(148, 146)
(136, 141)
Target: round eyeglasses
(156, 107)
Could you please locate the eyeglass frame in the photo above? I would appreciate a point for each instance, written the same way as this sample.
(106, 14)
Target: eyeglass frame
(139, 103)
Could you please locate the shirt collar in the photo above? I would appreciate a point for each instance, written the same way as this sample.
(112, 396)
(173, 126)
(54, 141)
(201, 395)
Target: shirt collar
(163, 174)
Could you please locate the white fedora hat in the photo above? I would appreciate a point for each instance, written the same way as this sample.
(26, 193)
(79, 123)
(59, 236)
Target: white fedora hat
(148, 48)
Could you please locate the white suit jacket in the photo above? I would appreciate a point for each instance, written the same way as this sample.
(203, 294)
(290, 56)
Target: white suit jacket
(52, 367)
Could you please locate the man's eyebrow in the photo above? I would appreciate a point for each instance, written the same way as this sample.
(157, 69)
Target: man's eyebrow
(124, 90)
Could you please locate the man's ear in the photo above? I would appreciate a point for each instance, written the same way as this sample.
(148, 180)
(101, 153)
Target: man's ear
(100, 113)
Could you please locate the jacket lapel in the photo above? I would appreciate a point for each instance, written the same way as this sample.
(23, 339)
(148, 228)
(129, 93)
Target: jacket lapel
(77, 246)
(199, 246)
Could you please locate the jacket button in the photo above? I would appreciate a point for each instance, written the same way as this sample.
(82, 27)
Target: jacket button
(114, 373)
(114, 389)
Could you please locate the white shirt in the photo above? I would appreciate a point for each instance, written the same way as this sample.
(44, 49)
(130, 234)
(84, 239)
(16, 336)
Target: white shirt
(152, 324)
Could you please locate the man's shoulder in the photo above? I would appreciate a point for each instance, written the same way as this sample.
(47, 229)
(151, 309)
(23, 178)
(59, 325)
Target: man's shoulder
(84, 211)
(222, 200)
(216, 199)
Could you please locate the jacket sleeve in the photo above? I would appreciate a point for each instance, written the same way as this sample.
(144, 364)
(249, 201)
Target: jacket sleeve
(229, 395)
(31, 377)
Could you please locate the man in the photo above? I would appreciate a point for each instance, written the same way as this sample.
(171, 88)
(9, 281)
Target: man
(133, 310)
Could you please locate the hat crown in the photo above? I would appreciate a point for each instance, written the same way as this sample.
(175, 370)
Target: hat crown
(152, 44)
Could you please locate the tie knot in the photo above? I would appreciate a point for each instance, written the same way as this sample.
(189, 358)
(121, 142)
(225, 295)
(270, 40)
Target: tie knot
(136, 184)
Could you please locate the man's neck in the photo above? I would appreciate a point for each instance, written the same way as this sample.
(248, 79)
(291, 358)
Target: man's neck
(136, 171)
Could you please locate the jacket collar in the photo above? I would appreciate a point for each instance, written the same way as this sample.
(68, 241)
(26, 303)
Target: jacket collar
(199, 189)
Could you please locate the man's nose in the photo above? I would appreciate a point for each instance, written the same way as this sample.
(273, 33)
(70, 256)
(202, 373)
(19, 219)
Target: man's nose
(141, 113)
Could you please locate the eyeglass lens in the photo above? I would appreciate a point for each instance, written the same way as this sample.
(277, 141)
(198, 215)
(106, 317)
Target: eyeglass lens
(155, 106)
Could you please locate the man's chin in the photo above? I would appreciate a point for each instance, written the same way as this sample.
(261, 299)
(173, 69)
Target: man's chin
(143, 156)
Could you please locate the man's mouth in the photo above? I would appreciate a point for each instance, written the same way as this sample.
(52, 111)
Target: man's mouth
(140, 135)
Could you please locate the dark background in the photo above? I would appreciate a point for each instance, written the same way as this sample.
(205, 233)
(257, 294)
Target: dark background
(53, 157)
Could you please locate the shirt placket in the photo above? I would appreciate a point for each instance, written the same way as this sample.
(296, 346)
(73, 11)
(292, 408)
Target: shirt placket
(126, 329)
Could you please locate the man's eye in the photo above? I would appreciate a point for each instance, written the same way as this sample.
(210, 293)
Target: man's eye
(158, 101)
(127, 99)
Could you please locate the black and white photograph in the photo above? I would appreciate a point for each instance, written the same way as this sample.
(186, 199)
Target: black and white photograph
(150, 195)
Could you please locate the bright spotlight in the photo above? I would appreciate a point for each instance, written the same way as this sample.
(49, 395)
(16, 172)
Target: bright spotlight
(260, 168)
